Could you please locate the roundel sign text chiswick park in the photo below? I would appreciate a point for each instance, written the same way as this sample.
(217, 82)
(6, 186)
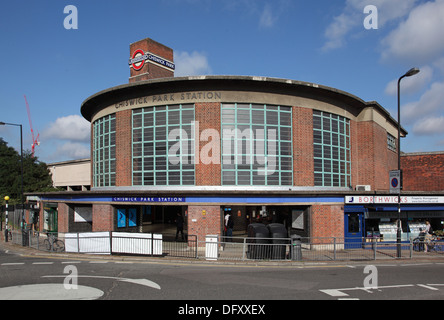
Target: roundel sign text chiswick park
(138, 59)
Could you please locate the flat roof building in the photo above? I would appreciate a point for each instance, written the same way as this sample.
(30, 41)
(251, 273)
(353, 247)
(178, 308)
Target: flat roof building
(264, 149)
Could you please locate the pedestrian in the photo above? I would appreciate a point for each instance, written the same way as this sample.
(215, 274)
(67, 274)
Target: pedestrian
(230, 226)
(427, 235)
(179, 225)
(226, 218)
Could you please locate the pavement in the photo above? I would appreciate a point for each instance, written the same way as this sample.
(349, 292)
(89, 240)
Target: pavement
(11, 248)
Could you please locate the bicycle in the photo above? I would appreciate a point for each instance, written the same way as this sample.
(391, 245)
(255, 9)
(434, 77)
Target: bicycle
(52, 243)
(8, 234)
(435, 245)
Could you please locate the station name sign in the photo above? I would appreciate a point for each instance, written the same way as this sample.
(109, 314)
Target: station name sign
(139, 57)
(170, 98)
(394, 199)
(148, 199)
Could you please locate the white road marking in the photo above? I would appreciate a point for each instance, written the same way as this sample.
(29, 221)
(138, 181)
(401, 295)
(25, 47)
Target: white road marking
(427, 287)
(339, 292)
(142, 282)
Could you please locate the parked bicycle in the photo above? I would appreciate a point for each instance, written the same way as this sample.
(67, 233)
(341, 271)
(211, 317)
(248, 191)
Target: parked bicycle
(8, 234)
(52, 243)
(435, 244)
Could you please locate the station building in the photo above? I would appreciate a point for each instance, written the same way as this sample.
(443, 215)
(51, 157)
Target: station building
(314, 158)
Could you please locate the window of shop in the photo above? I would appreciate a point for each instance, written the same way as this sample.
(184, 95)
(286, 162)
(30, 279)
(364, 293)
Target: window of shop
(163, 146)
(104, 152)
(256, 145)
(332, 165)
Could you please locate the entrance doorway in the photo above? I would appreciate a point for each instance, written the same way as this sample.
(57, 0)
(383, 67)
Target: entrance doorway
(162, 219)
(353, 230)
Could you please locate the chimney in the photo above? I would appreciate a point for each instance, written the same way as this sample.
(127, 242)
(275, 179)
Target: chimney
(150, 60)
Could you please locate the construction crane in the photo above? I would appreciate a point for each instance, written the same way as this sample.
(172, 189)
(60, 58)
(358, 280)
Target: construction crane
(35, 142)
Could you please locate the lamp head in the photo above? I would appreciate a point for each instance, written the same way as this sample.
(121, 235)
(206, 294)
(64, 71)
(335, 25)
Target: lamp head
(412, 72)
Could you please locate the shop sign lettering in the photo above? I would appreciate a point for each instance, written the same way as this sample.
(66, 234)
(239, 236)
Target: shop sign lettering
(389, 199)
(148, 199)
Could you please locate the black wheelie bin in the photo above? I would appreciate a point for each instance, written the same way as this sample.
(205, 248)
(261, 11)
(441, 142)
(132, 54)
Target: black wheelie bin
(258, 241)
(279, 241)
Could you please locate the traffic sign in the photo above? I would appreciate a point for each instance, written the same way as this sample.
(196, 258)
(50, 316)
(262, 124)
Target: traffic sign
(395, 181)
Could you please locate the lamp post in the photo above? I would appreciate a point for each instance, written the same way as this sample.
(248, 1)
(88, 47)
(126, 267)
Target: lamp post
(6, 218)
(409, 73)
(21, 162)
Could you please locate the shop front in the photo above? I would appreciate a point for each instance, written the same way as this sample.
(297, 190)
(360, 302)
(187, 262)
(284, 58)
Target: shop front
(203, 214)
(377, 216)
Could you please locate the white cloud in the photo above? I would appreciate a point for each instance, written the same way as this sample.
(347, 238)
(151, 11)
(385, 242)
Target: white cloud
(72, 128)
(71, 151)
(430, 105)
(411, 85)
(337, 31)
(352, 18)
(439, 64)
(267, 18)
(192, 64)
(419, 38)
(429, 126)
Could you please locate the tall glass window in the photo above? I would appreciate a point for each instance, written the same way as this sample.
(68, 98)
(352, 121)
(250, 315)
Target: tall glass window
(256, 145)
(163, 145)
(331, 150)
(104, 152)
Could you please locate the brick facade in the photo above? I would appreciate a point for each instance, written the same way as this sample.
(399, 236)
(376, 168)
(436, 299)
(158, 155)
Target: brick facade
(423, 171)
(63, 217)
(123, 148)
(303, 165)
(208, 171)
(327, 221)
(204, 220)
(371, 158)
(103, 217)
(151, 70)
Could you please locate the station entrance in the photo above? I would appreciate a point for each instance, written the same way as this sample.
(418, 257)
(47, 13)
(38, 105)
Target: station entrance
(162, 219)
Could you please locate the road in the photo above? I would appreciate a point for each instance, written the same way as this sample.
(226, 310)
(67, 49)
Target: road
(29, 277)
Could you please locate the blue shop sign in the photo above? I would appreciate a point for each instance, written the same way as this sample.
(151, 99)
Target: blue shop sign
(148, 199)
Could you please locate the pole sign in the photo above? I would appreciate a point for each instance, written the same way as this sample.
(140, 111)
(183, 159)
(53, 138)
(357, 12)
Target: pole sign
(395, 181)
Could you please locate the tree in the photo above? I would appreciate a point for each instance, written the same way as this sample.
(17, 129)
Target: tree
(36, 176)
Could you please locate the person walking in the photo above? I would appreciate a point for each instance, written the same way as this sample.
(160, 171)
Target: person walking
(179, 225)
(230, 226)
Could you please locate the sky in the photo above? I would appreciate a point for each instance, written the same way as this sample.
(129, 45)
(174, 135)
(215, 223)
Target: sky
(59, 57)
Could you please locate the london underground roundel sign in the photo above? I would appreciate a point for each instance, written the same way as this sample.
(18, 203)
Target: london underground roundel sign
(138, 60)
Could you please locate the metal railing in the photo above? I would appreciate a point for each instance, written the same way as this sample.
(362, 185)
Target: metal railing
(252, 249)
(314, 249)
(103, 242)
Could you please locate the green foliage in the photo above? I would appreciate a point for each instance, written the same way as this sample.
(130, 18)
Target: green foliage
(36, 176)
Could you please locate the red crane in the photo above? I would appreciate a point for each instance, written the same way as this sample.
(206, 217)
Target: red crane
(35, 142)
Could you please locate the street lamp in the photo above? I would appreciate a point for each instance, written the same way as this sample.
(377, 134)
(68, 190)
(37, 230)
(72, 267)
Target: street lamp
(21, 162)
(409, 73)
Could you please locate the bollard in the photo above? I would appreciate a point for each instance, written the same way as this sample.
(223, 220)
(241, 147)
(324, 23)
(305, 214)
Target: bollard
(296, 248)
